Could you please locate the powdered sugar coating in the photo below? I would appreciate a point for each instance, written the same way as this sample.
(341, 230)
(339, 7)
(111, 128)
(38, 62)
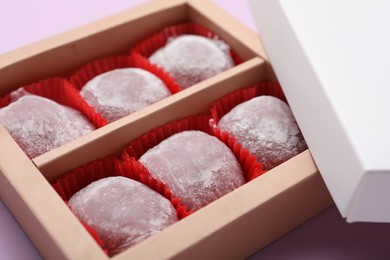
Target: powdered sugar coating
(266, 127)
(123, 212)
(120, 92)
(190, 58)
(39, 125)
(197, 167)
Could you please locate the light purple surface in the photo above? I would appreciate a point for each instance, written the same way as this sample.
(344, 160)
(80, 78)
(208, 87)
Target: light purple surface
(25, 22)
(329, 236)
(326, 236)
(14, 244)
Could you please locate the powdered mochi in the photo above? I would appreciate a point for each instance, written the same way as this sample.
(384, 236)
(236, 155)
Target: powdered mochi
(197, 167)
(190, 58)
(39, 124)
(123, 212)
(120, 92)
(266, 127)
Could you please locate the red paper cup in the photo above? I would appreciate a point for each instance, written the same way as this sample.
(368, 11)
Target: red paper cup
(139, 146)
(95, 236)
(158, 40)
(60, 91)
(250, 166)
(223, 105)
(63, 92)
(70, 183)
(4, 101)
(97, 67)
(75, 180)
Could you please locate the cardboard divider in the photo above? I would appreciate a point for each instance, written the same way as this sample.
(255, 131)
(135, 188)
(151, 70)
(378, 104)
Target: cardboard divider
(111, 138)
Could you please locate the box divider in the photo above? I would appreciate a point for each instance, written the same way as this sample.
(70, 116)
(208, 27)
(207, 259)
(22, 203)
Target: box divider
(112, 138)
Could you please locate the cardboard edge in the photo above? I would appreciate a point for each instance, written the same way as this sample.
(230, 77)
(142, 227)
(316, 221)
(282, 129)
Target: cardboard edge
(215, 231)
(40, 211)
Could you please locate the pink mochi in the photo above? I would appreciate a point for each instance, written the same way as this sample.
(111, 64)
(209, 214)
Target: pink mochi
(39, 124)
(267, 128)
(120, 92)
(123, 212)
(190, 59)
(197, 167)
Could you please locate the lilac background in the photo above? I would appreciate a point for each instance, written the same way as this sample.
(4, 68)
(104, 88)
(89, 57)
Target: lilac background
(326, 236)
(25, 22)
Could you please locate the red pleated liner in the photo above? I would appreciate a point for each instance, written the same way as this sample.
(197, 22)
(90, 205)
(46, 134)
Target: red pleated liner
(4, 101)
(100, 66)
(79, 178)
(95, 236)
(144, 177)
(70, 183)
(158, 40)
(63, 92)
(93, 233)
(222, 106)
(143, 143)
(251, 168)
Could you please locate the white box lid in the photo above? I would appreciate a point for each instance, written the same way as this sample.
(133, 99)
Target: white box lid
(332, 59)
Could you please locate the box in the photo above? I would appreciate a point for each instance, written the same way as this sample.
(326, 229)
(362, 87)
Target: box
(337, 55)
(234, 226)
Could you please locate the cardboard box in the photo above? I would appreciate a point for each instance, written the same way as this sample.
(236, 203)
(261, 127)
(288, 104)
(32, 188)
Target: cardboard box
(331, 60)
(234, 226)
